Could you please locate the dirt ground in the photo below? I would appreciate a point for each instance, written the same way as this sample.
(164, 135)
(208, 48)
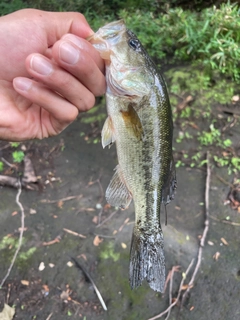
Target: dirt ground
(66, 216)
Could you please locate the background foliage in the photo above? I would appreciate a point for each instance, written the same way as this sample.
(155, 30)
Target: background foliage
(198, 42)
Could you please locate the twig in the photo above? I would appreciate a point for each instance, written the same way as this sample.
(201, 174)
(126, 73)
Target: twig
(174, 268)
(205, 231)
(63, 199)
(90, 183)
(5, 147)
(236, 112)
(224, 181)
(78, 265)
(100, 215)
(108, 218)
(49, 317)
(225, 221)
(104, 236)
(8, 293)
(20, 235)
(74, 233)
(178, 296)
(49, 243)
(8, 163)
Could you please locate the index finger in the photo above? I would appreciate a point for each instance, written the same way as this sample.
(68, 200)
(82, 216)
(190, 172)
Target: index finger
(88, 48)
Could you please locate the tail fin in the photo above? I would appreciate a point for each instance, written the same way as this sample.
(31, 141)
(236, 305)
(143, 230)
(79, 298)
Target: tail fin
(147, 259)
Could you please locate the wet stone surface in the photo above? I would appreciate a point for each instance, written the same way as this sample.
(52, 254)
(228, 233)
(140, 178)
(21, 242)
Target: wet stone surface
(60, 290)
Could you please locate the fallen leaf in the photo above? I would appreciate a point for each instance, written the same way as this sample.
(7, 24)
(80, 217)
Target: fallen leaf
(45, 287)
(124, 246)
(41, 266)
(225, 154)
(107, 206)
(20, 229)
(7, 313)
(60, 204)
(216, 256)
(51, 265)
(69, 264)
(194, 126)
(64, 295)
(210, 243)
(182, 105)
(97, 241)
(95, 219)
(186, 286)
(83, 256)
(224, 241)
(14, 213)
(89, 209)
(25, 282)
(32, 211)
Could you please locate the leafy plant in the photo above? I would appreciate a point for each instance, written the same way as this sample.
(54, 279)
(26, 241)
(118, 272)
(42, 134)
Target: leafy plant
(213, 136)
(232, 163)
(211, 36)
(14, 144)
(18, 156)
(1, 166)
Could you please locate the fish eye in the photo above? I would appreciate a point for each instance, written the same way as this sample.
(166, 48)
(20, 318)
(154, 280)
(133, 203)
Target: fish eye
(134, 44)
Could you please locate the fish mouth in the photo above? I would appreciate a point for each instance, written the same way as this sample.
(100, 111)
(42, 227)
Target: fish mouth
(122, 79)
(109, 31)
(106, 37)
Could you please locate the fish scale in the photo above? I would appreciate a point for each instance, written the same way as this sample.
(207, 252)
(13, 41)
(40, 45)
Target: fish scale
(140, 122)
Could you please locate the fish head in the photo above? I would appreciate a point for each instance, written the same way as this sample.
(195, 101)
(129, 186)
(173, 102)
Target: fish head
(127, 70)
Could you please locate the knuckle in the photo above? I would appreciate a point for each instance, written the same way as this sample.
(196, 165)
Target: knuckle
(65, 81)
(71, 116)
(87, 103)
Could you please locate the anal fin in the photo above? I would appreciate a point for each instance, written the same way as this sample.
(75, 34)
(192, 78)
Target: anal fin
(117, 193)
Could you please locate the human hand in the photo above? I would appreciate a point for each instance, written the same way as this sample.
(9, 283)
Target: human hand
(48, 73)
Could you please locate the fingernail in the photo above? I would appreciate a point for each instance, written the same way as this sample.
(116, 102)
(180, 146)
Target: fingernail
(68, 53)
(22, 84)
(41, 65)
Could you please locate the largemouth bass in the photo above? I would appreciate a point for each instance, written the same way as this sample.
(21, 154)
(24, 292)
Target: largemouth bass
(140, 122)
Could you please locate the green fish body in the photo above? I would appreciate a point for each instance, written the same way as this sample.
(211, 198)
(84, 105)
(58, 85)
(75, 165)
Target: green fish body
(140, 123)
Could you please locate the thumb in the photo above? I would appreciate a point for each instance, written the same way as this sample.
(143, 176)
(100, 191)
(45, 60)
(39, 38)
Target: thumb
(58, 24)
(55, 24)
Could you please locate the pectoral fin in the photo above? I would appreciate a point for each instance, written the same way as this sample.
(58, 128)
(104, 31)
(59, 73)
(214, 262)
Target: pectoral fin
(107, 133)
(117, 193)
(133, 122)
